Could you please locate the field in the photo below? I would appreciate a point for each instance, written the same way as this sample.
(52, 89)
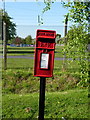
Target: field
(19, 73)
(29, 51)
(64, 96)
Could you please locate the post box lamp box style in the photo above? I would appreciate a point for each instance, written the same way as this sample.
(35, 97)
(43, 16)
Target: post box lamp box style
(44, 53)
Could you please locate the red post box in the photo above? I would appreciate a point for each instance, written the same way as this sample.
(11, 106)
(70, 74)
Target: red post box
(44, 53)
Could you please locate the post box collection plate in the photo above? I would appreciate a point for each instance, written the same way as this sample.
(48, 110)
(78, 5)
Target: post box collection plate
(44, 53)
(44, 61)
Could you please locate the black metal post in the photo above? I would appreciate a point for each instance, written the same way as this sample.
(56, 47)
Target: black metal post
(42, 98)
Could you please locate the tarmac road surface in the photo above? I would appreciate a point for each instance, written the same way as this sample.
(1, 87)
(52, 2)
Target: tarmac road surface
(27, 57)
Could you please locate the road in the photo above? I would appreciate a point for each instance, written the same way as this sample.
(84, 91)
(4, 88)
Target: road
(27, 57)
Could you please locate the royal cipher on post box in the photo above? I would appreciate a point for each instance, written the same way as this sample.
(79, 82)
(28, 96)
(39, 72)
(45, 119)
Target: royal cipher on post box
(44, 53)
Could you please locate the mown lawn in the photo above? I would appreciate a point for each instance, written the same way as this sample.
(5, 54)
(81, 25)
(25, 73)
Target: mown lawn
(15, 51)
(29, 51)
(67, 104)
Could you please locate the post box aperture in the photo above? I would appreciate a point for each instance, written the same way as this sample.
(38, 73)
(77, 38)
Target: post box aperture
(44, 53)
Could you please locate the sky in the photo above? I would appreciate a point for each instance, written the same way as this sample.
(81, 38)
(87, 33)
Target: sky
(25, 16)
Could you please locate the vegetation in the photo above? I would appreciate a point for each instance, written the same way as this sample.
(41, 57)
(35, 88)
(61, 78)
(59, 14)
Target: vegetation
(29, 51)
(67, 104)
(10, 26)
(28, 39)
(18, 40)
(18, 78)
(66, 92)
(76, 48)
(77, 37)
(78, 11)
(14, 51)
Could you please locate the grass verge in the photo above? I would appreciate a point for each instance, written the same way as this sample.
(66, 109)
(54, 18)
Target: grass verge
(68, 104)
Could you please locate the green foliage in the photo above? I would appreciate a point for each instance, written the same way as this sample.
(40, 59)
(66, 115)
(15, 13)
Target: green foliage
(28, 39)
(10, 26)
(78, 11)
(17, 41)
(23, 41)
(48, 5)
(76, 48)
(68, 104)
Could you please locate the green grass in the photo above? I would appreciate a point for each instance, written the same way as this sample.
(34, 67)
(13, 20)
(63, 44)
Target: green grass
(19, 63)
(30, 51)
(20, 50)
(20, 88)
(23, 81)
(67, 104)
(19, 78)
(19, 74)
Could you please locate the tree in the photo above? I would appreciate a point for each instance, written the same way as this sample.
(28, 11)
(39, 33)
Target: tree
(10, 26)
(76, 49)
(77, 37)
(17, 41)
(28, 39)
(48, 4)
(78, 11)
(23, 41)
